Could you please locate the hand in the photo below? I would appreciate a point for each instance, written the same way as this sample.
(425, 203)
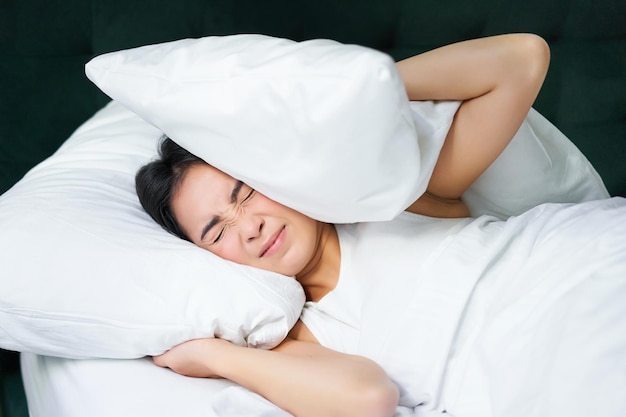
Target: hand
(193, 358)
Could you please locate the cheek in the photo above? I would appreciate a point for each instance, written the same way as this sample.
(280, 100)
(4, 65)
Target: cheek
(261, 201)
(228, 249)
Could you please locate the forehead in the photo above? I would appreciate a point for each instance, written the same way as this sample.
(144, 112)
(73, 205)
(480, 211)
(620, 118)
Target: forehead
(200, 194)
(205, 174)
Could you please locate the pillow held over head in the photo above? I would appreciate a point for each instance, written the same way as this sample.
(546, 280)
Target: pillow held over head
(326, 128)
(322, 127)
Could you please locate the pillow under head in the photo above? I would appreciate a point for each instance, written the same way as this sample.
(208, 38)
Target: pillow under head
(86, 273)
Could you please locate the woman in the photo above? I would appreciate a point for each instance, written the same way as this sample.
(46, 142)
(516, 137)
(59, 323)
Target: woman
(497, 78)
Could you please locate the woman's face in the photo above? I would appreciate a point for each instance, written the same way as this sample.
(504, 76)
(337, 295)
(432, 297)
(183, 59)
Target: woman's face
(228, 218)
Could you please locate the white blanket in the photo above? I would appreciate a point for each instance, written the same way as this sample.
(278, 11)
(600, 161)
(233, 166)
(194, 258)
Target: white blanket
(542, 334)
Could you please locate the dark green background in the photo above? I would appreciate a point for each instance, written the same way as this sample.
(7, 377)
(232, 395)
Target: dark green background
(44, 45)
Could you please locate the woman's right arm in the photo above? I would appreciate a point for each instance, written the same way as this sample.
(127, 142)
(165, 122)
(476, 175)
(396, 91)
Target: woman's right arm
(302, 377)
(498, 79)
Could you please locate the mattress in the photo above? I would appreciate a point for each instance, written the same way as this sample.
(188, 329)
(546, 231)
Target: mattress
(117, 388)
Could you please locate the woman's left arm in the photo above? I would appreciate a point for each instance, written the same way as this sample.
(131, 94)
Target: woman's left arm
(498, 79)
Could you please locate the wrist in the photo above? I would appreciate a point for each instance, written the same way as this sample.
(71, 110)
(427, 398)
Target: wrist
(222, 357)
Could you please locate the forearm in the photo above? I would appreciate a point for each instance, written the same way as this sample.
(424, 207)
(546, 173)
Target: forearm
(307, 380)
(301, 377)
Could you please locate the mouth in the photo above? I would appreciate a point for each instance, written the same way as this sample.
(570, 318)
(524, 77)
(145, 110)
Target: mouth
(273, 243)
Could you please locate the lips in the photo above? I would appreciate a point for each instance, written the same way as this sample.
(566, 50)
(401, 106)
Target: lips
(273, 243)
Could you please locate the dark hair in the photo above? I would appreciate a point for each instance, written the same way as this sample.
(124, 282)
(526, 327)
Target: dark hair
(157, 181)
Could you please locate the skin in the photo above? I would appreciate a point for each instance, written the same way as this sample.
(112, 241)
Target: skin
(498, 79)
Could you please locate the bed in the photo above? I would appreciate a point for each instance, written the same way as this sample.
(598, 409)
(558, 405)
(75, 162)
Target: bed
(61, 388)
(491, 261)
(43, 77)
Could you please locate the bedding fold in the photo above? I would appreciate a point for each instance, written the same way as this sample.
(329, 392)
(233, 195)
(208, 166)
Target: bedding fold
(496, 320)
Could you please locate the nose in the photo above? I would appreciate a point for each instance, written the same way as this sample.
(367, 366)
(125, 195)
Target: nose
(251, 227)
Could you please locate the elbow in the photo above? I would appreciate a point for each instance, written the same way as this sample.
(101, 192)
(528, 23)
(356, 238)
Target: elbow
(535, 52)
(377, 401)
(525, 58)
(539, 50)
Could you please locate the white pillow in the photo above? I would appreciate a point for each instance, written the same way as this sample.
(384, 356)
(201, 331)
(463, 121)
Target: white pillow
(319, 126)
(85, 272)
(539, 165)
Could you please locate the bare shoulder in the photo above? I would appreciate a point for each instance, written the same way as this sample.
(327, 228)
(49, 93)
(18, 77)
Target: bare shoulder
(302, 342)
(302, 333)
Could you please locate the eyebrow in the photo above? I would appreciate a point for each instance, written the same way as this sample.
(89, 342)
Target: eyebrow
(235, 192)
(233, 197)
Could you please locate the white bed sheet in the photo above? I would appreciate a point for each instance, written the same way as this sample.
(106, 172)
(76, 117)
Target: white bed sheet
(58, 387)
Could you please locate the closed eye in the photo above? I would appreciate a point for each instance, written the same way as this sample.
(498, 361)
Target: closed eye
(220, 235)
(248, 196)
(234, 193)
